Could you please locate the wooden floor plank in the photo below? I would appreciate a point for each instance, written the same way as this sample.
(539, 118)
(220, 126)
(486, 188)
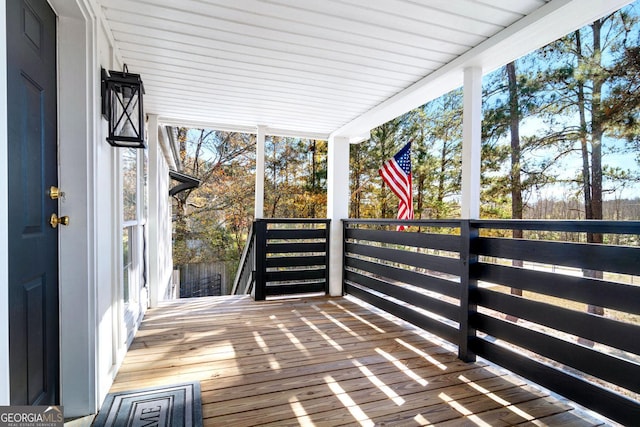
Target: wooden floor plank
(517, 412)
(373, 404)
(259, 342)
(383, 373)
(325, 362)
(565, 419)
(352, 382)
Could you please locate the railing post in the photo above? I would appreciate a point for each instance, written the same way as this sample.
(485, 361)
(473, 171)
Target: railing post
(468, 283)
(344, 256)
(260, 293)
(327, 248)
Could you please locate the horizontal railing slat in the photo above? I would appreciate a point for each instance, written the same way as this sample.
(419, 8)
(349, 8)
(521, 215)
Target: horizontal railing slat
(442, 242)
(592, 362)
(436, 327)
(281, 276)
(296, 288)
(606, 402)
(616, 296)
(296, 233)
(296, 261)
(430, 283)
(284, 248)
(592, 327)
(617, 259)
(431, 262)
(409, 296)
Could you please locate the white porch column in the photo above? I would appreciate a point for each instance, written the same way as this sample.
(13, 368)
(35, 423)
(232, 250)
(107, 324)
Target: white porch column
(259, 192)
(471, 143)
(337, 206)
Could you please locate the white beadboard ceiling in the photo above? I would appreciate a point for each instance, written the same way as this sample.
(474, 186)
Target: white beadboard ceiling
(316, 67)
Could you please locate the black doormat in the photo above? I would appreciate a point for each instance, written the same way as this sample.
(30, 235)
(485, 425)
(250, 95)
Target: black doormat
(168, 406)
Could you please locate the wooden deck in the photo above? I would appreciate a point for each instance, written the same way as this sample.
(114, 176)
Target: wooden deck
(325, 362)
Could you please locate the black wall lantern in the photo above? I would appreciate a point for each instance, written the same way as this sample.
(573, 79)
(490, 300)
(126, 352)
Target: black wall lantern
(122, 107)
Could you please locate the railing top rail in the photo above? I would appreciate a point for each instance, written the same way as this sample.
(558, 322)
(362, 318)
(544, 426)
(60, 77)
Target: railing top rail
(294, 220)
(568, 225)
(591, 226)
(418, 222)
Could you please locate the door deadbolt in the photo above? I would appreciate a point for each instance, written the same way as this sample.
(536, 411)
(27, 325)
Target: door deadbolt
(55, 193)
(55, 220)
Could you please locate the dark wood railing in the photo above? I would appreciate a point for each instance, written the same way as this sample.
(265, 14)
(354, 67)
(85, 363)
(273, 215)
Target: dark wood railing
(378, 265)
(521, 303)
(245, 276)
(289, 256)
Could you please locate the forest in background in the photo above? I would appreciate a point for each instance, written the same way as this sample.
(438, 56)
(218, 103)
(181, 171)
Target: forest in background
(560, 140)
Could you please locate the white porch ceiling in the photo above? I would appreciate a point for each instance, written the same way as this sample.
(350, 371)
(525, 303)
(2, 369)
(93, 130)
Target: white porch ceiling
(316, 67)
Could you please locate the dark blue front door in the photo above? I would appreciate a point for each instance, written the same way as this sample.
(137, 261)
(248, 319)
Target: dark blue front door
(33, 243)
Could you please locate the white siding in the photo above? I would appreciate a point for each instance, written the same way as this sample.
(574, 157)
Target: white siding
(94, 332)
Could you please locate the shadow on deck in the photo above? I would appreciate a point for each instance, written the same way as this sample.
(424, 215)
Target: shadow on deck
(327, 362)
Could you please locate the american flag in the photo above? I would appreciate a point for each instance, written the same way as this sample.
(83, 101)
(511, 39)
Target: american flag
(396, 172)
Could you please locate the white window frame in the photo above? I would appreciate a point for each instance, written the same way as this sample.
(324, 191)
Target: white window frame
(133, 309)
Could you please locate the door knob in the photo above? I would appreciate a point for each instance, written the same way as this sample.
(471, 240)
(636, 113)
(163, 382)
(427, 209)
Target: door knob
(55, 220)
